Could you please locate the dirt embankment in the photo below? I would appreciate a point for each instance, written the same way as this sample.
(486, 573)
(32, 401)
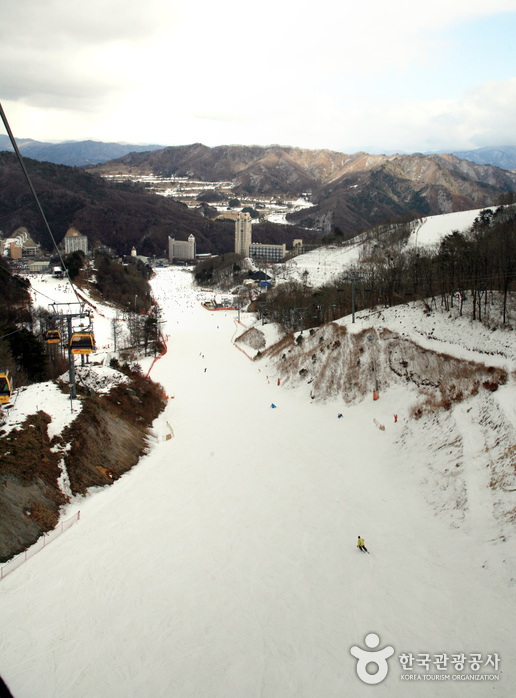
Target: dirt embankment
(29, 495)
(337, 364)
(107, 438)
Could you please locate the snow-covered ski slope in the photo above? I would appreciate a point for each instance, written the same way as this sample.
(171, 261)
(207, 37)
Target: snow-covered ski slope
(324, 264)
(225, 564)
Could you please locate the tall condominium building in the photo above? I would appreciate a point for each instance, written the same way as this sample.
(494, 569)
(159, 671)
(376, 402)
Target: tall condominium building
(243, 234)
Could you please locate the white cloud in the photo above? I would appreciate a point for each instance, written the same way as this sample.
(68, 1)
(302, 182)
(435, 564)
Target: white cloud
(231, 72)
(483, 116)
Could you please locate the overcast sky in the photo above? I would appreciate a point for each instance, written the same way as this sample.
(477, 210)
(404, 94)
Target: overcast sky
(398, 75)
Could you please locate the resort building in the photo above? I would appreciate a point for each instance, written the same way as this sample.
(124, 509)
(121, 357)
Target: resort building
(19, 245)
(181, 249)
(267, 253)
(75, 242)
(243, 234)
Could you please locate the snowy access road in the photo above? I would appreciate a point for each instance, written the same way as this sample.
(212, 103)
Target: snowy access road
(225, 564)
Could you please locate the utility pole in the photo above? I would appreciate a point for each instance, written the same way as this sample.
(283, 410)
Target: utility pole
(353, 279)
(376, 393)
(301, 316)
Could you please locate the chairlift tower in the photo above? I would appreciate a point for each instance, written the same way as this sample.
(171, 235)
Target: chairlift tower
(68, 317)
(353, 279)
(300, 314)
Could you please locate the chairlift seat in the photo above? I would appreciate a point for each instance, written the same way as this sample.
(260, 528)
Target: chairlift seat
(82, 343)
(52, 336)
(6, 387)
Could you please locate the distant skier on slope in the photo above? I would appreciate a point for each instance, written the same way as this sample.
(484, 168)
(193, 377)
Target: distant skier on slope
(361, 545)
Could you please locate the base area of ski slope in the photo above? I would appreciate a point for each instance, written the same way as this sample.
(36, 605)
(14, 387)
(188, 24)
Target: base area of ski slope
(225, 564)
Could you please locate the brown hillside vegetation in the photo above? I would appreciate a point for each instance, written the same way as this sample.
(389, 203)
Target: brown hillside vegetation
(337, 364)
(120, 216)
(119, 421)
(107, 438)
(351, 192)
(29, 494)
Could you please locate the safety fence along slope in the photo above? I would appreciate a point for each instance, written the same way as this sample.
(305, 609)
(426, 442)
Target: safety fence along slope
(45, 539)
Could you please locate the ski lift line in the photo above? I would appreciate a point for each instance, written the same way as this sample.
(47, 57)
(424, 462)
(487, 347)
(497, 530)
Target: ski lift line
(43, 294)
(6, 271)
(22, 165)
(2, 218)
(10, 333)
(82, 313)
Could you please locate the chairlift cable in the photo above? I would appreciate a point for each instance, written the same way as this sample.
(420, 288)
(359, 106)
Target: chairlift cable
(10, 333)
(43, 294)
(16, 210)
(22, 164)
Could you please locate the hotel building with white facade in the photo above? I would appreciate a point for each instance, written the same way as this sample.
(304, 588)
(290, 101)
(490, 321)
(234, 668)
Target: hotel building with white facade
(181, 249)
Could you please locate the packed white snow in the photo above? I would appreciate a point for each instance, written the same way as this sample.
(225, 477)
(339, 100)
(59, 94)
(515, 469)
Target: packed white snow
(326, 264)
(434, 228)
(225, 564)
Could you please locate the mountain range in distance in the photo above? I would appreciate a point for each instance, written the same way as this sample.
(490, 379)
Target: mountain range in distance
(90, 152)
(503, 156)
(74, 153)
(115, 202)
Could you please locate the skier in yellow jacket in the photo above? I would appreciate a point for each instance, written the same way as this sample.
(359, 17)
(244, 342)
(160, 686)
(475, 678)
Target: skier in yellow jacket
(361, 545)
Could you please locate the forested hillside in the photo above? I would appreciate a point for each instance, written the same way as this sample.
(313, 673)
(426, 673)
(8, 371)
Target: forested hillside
(117, 215)
(465, 266)
(349, 192)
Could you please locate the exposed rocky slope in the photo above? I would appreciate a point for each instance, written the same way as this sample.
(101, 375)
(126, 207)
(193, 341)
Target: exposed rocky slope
(105, 439)
(340, 365)
(351, 192)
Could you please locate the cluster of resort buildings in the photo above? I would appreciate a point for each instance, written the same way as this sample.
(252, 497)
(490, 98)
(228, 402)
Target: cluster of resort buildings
(184, 250)
(21, 246)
